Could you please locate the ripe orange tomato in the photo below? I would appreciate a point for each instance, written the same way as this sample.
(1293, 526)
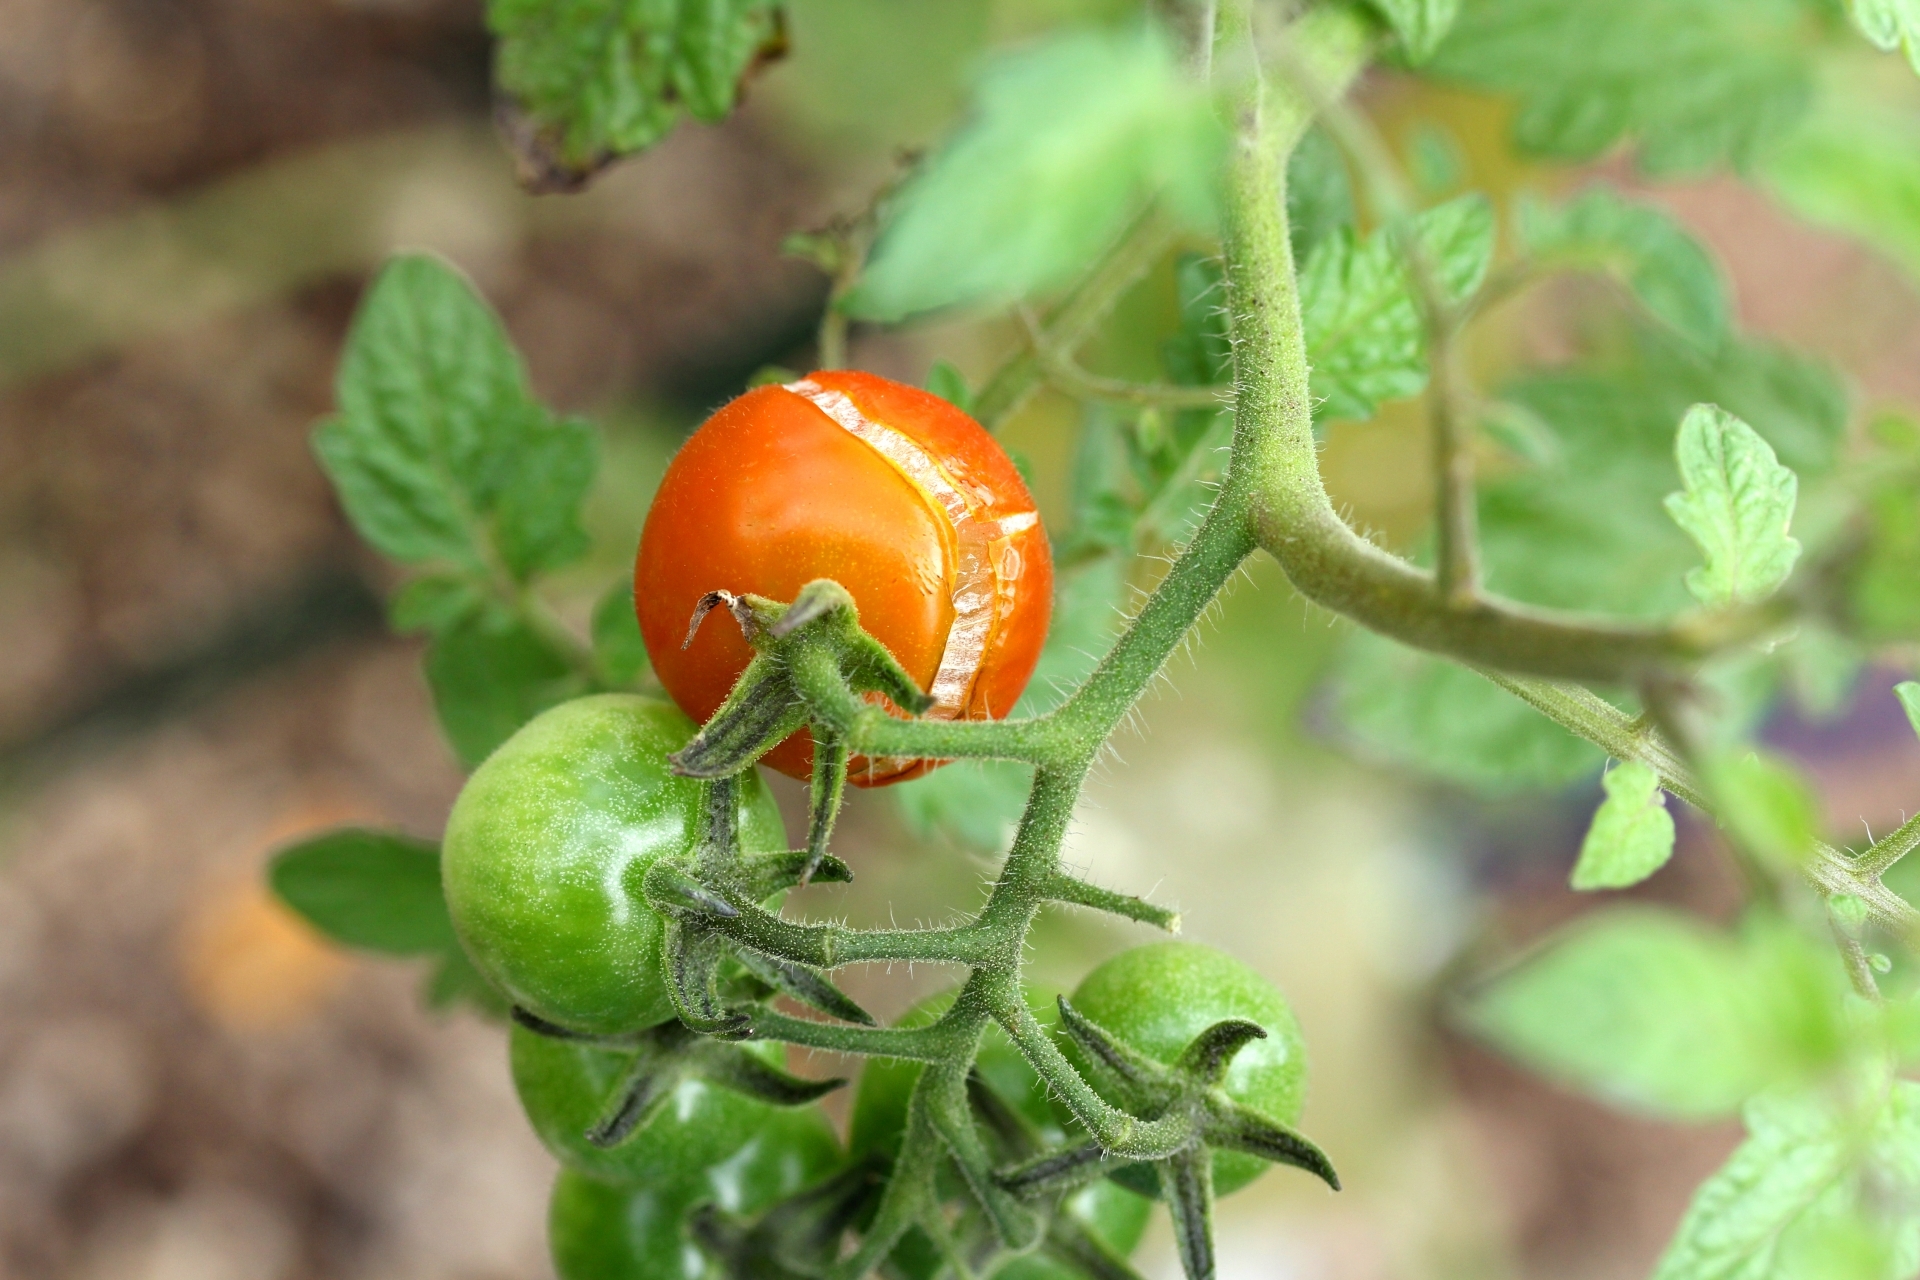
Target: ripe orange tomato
(889, 490)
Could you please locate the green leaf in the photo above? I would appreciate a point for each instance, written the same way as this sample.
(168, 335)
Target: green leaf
(435, 602)
(1419, 24)
(1410, 708)
(598, 79)
(945, 380)
(427, 383)
(1737, 504)
(1909, 694)
(375, 890)
(1668, 271)
(489, 676)
(439, 452)
(1065, 140)
(1657, 1013)
(1881, 591)
(537, 515)
(1588, 532)
(1632, 832)
(1695, 82)
(1890, 25)
(1364, 335)
(1855, 167)
(1199, 353)
(1802, 1196)
(1319, 193)
(618, 649)
(1765, 805)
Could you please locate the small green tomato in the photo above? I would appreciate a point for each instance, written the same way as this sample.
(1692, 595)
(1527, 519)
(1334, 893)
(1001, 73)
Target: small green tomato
(1158, 997)
(546, 846)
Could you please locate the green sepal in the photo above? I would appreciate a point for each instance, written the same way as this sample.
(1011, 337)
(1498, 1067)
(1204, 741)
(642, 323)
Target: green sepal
(732, 1068)
(1205, 1060)
(1232, 1127)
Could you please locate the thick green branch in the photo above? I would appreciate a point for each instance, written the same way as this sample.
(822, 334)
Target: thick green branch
(1277, 465)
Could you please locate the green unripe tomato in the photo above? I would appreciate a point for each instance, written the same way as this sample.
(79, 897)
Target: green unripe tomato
(1158, 997)
(706, 1141)
(1117, 1216)
(546, 846)
(615, 1231)
(600, 1230)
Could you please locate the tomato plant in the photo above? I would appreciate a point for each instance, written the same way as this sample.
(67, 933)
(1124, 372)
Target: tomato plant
(887, 489)
(1617, 568)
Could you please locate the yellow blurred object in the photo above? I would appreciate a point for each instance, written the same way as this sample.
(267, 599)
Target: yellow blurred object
(251, 965)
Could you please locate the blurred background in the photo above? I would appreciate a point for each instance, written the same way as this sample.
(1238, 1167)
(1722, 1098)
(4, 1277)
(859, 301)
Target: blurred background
(194, 666)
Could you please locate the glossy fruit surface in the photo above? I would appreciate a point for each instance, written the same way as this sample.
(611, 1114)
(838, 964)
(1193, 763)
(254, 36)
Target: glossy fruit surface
(1158, 997)
(889, 490)
(1116, 1215)
(546, 846)
(566, 1087)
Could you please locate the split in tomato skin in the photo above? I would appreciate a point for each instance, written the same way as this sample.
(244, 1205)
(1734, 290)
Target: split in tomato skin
(887, 489)
(545, 848)
(1158, 997)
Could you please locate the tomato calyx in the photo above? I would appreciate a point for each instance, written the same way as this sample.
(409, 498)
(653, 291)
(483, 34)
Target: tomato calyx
(669, 1054)
(797, 1238)
(710, 979)
(812, 660)
(805, 653)
(1189, 1088)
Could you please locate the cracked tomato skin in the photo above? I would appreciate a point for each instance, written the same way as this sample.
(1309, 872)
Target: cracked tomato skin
(1160, 996)
(546, 845)
(889, 490)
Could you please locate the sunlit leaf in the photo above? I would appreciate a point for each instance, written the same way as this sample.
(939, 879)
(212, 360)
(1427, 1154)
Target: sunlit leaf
(1694, 83)
(1411, 708)
(1658, 1013)
(1803, 1195)
(1632, 833)
(1668, 271)
(1890, 25)
(1420, 24)
(1065, 141)
(1909, 693)
(1855, 167)
(1587, 531)
(1737, 504)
